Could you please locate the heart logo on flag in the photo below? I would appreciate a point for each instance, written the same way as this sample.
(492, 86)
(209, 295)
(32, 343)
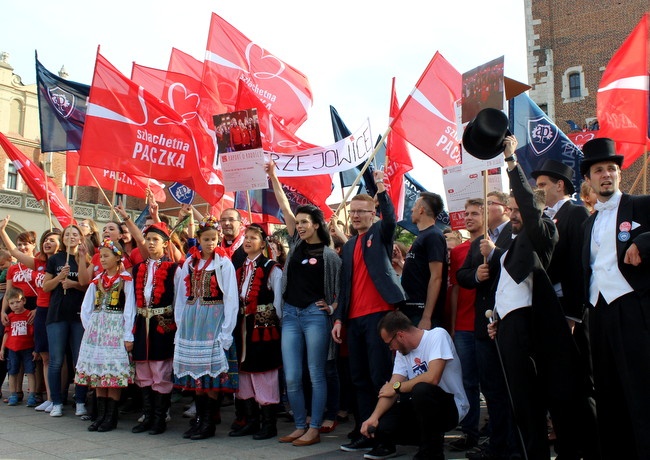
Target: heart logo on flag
(266, 66)
(183, 102)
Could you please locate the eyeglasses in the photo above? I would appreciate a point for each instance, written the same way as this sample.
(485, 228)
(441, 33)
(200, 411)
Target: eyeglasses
(490, 203)
(390, 342)
(83, 225)
(352, 212)
(228, 220)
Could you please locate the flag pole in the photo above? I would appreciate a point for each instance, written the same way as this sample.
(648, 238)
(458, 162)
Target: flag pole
(103, 194)
(47, 201)
(363, 170)
(485, 209)
(114, 189)
(345, 208)
(250, 213)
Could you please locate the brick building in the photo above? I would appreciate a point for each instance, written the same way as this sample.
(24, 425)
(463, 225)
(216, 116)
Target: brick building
(569, 45)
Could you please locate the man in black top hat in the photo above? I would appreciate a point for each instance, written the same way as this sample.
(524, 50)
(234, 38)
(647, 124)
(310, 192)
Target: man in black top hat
(565, 272)
(616, 256)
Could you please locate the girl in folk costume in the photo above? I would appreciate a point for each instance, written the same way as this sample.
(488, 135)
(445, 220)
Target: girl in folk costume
(107, 314)
(153, 347)
(258, 336)
(206, 312)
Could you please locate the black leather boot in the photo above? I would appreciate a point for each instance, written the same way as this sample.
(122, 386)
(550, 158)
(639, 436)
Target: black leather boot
(110, 420)
(240, 414)
(252, 425)
(199, 402)
(101, 414)
(269, 423)
(207, 427)
(162, 402)
(147, 411)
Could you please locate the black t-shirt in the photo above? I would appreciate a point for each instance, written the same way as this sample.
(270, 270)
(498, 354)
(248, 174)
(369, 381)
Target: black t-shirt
(429, 246)
(64, 306)
(306, 276)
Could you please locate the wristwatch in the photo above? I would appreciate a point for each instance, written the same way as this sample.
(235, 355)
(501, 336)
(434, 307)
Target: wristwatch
(397, 387)
(513, 157)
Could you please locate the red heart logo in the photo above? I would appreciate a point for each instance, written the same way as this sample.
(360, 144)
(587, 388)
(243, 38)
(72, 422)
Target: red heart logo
(261, 64)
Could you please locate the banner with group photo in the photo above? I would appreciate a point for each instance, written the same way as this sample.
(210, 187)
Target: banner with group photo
(343, 155)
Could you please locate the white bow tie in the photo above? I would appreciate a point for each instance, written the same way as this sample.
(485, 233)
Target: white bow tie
(605, 206)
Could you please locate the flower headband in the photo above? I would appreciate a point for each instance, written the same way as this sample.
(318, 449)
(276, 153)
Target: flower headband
(108, 243)
(209, 222)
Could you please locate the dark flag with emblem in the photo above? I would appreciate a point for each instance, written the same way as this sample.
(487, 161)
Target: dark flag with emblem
(539, 139)
(412, 189)
(62, 111)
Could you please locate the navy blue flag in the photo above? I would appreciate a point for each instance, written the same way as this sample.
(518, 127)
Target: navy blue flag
(181, 193)
(539, 139)
(573, 125)
(412, 189)
(265, 206)
(62, 111)
(142, 218)
(341, 131)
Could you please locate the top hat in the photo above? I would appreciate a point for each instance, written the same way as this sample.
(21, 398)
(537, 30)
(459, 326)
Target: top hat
(598, 150)
(556, 170)
(484, 135)
(159, 228)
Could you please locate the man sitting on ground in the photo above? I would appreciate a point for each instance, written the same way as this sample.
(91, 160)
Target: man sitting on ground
(428, 381)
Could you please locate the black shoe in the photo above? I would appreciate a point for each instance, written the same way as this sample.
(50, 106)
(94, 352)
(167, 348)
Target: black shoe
(464, 443)
(380, 452)
(161, 406)
(110, 420)
(194, 428)
(359, 445)
(147, 411)
(101, 414)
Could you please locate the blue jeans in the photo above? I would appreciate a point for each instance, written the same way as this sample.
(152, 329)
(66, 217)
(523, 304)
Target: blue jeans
(60, 335)
(305, 329)
(466, 349)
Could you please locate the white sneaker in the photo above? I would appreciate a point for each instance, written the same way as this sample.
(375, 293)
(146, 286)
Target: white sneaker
(46, 406)
(80, 409)
(141, 419)
(168, 418)
(56, 410)
(191, 412)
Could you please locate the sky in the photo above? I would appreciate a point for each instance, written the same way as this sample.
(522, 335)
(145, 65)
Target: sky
(349, 49)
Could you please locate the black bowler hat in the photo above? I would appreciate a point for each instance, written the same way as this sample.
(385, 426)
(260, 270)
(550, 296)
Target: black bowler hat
(556, 170)
(484, 135)
(598, 150)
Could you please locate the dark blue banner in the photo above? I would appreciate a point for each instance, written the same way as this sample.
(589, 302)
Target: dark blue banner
(62, 111)
(263, 202)
(412, 189)
(341, 131)
(539, 139)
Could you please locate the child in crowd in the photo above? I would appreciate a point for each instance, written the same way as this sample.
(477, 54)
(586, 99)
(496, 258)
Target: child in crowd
(206, 308)
(107, 314)
(18, 346)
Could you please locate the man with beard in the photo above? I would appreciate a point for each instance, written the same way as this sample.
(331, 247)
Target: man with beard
(233, 236)
(615, 255)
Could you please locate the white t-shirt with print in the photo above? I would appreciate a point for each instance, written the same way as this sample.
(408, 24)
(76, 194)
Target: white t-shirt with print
(436, 344)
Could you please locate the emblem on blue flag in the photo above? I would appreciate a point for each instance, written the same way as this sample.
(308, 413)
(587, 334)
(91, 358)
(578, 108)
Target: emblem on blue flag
(542, 134)
(181, 193)
(62, 101)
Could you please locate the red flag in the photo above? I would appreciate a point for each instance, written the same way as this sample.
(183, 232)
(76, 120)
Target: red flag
(130, 130)
(181, 62)
(622, 100)
(398, 161)
(35, 179)
(126, 184)
(232, 58)
(276, 138)
(428, 117)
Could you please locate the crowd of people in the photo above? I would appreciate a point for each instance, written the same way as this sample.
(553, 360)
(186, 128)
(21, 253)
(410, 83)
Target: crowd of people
(542, 309)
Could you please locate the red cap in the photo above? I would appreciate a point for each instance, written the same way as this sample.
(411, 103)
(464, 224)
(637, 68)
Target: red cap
(158, 227)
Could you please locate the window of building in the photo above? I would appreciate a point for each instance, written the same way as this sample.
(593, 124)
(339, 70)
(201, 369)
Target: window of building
(16, 117)
(574, 85)
(12, 177)
(119, 199)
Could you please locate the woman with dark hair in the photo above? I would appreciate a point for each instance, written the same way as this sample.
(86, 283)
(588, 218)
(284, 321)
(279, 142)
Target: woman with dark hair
(310, 289)
(90, 233)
